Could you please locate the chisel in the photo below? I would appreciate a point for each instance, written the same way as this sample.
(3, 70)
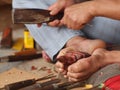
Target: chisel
(22, 84)
(22, 56)
(32, 16)
(39, 86)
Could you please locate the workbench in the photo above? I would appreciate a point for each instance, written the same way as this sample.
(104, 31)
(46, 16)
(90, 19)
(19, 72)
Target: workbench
(95, 79)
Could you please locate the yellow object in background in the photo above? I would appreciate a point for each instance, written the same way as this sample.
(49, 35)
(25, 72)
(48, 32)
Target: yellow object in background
(88, 86)
(28, 40)
(18, 45)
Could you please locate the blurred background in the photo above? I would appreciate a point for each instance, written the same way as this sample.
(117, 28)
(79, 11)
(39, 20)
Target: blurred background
(12, 36)
(5, 15)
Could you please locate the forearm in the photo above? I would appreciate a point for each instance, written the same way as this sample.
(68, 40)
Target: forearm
(107, 8)
(105, 57)
(113, 56)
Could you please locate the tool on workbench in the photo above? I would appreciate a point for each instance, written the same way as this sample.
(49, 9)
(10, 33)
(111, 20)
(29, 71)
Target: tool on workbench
(31, 16)
(6, 41)
(22, 56)
(39, 86)
(61, 86)
(27, 52)
(74, 85)
(22, 84)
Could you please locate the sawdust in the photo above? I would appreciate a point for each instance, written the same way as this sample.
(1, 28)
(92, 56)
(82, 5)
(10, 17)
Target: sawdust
(15, 75)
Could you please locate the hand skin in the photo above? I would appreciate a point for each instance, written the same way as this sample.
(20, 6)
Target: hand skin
(78, 44)
(107, 8)
(76, 16)
(60, 5)
(84, 68)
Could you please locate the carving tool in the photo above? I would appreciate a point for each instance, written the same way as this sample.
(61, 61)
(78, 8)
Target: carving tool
(62, 86)
(32, 16)
(39, 86)
(22, 84)
(22, 56)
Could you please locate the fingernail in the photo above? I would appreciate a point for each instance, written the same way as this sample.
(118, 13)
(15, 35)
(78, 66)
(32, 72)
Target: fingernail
(51, 12)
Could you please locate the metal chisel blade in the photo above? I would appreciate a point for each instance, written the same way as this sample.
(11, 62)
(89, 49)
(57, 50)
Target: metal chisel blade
(33, 16)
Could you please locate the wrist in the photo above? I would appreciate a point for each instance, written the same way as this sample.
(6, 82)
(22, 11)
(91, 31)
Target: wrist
(102, 56)
(107, 57)
(107, 8)
(98, 6)
(92, 7)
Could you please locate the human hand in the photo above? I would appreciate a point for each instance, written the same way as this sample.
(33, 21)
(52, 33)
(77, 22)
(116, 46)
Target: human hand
(67, 58)
(57, 7)
(85, 67)
(76, 16)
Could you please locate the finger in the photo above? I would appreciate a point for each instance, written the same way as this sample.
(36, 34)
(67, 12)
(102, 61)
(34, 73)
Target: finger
(69, 23)
(61, 70)
(52, 6)
(54, 23)
(77, 76)
(59, 66)
(74, 75)
(63, 20)
(66, 18)
(70, 79)
(55, 8)
(60, 24)
(75, 79)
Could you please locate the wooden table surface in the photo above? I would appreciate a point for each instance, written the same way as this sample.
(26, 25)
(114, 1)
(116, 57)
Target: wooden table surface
(95, 79)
